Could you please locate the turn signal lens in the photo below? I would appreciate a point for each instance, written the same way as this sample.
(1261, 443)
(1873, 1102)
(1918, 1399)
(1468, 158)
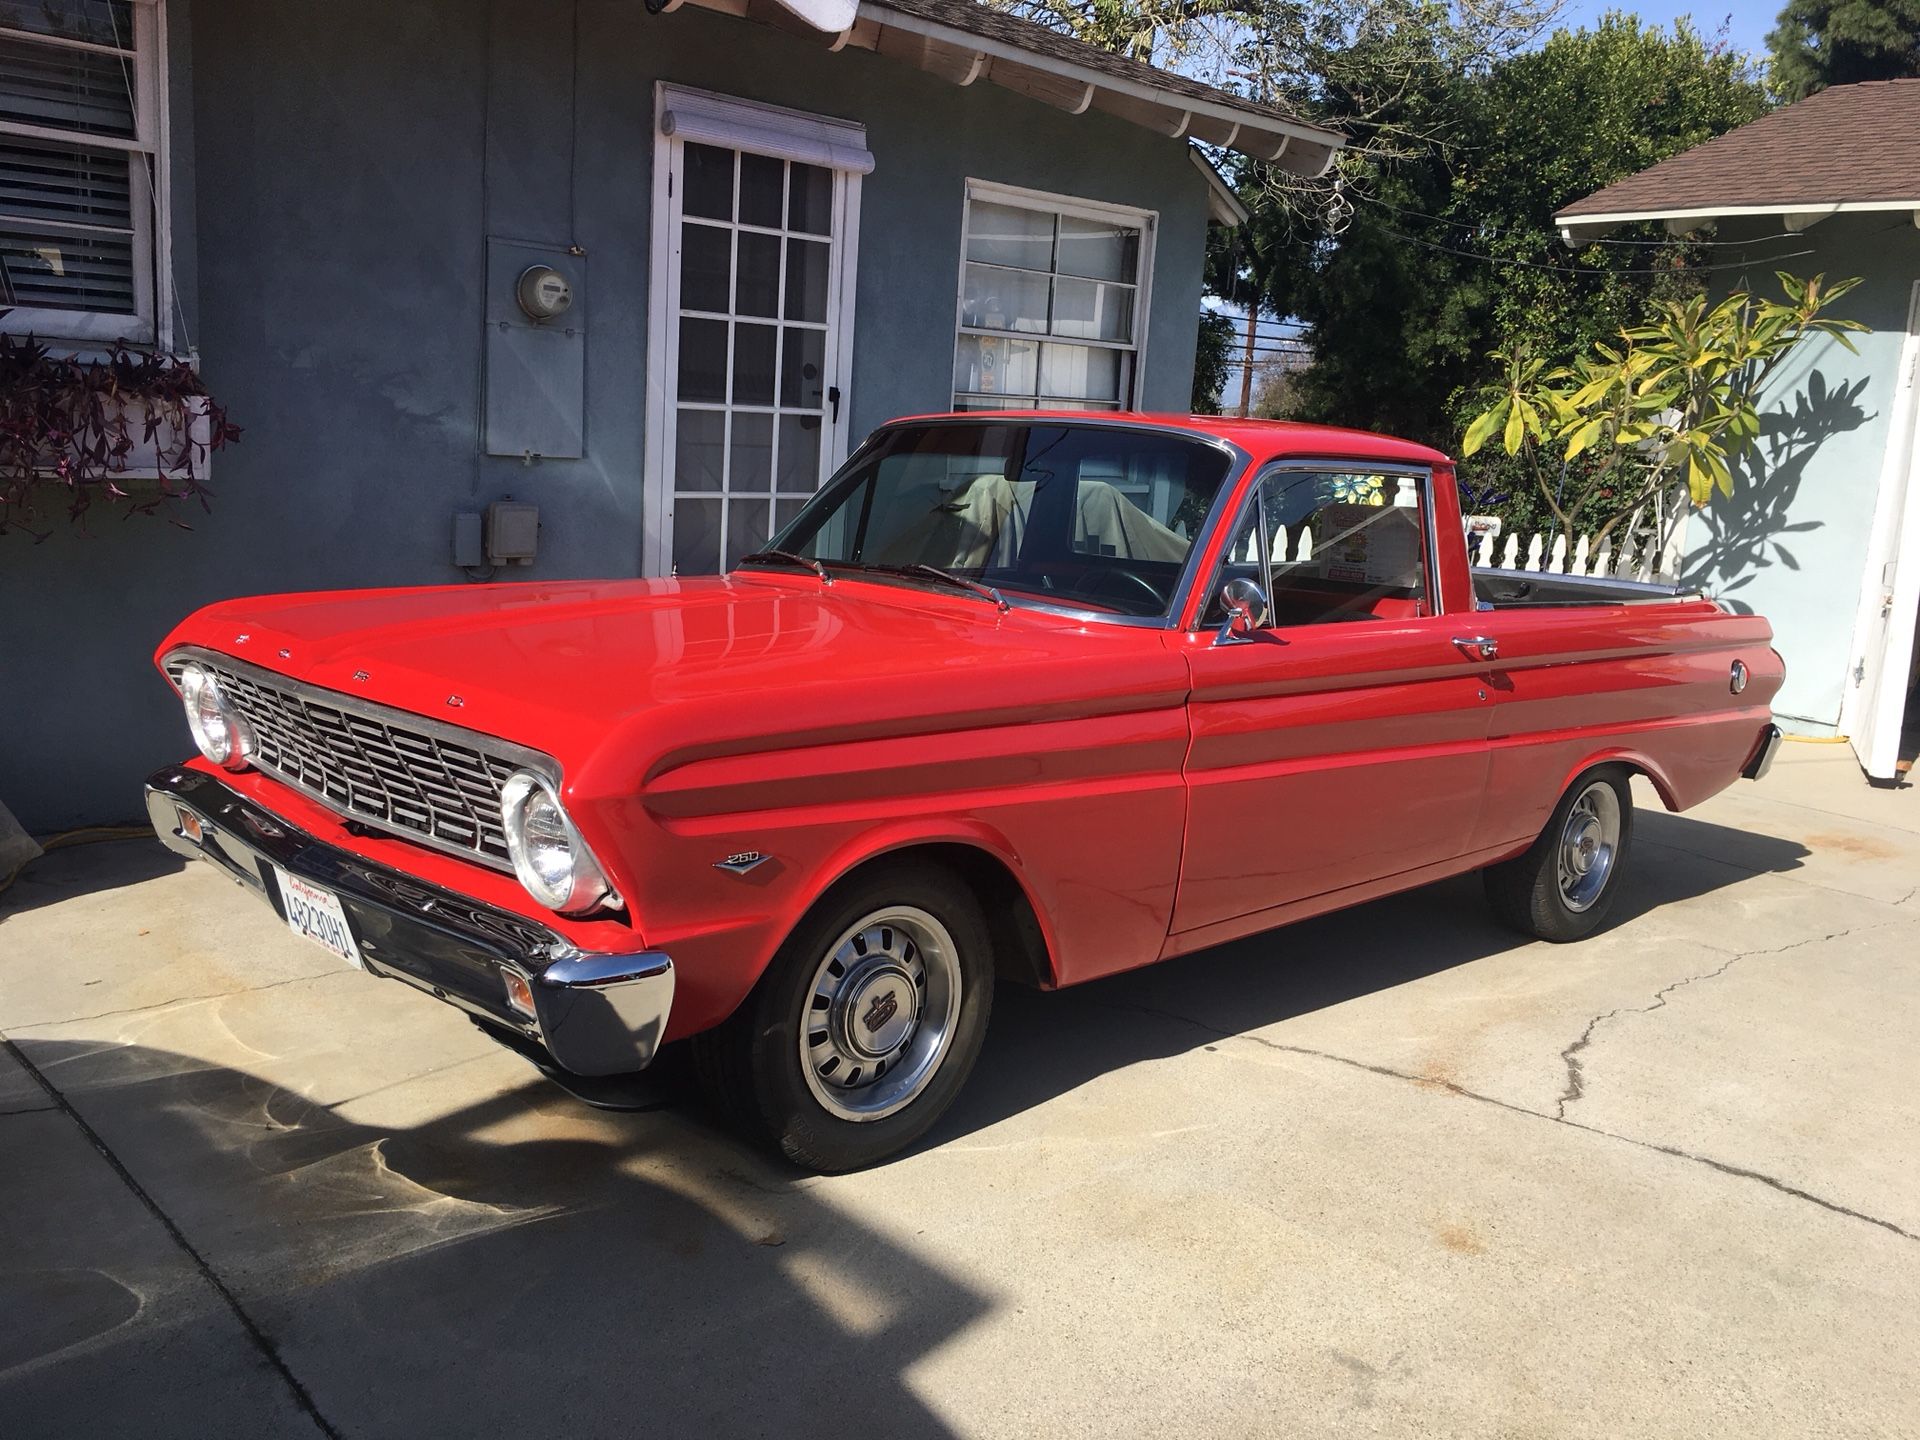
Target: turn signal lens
(519, 993)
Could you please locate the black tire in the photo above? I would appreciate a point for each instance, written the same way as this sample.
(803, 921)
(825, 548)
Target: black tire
(751, 1067)
(1527, 893)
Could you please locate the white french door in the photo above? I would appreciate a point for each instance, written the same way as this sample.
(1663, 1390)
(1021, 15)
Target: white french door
(1876, 695)
(751, 323)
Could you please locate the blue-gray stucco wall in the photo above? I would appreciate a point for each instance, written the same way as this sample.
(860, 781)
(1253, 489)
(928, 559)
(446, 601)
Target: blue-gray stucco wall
(338, 168)
(1791, 542)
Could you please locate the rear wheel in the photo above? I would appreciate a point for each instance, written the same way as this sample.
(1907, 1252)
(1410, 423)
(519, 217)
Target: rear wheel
(865, 1025)
(1564, 886)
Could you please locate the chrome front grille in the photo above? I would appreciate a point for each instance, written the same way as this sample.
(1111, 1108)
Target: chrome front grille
(385, 767)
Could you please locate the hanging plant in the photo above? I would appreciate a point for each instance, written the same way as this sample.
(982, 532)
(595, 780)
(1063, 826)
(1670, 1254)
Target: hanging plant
(133, 431)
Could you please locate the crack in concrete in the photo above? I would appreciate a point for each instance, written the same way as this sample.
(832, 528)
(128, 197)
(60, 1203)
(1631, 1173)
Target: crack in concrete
(262, 1342)
(166, 1004)
(1430, 1082)
(1570, 1057)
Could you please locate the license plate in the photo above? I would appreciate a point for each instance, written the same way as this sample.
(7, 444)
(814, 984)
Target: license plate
(315, 914)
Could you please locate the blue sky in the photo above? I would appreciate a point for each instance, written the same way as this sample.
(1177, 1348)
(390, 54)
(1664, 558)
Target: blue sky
(1747, 21)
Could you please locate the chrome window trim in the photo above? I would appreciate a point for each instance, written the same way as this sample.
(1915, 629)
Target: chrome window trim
(1237, 462)
(1336, 465)
(534, 760)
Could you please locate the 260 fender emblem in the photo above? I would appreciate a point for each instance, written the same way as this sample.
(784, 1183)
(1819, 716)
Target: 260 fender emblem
(741, 863)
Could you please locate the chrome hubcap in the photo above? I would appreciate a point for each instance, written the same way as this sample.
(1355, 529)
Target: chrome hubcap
(1588, 843)
(879, 1014)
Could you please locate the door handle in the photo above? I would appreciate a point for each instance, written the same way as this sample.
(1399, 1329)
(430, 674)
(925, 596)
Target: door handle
(1479, 647)
(833, 399)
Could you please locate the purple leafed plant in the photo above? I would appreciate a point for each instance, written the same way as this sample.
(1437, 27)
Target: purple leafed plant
(69, 428)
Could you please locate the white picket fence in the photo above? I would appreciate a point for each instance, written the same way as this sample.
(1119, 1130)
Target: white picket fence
(1648, 547)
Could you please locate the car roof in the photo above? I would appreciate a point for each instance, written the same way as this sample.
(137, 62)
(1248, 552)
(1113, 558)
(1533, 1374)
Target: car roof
(1261, 439)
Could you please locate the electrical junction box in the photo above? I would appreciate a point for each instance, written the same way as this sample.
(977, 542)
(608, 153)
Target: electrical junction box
(513, 533)
(536, 352)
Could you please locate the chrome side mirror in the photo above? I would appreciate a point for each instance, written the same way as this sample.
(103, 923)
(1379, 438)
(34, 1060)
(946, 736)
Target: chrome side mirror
(1246, 606)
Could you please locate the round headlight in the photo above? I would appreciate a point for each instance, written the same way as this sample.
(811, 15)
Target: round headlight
(217, 728)
(549, 856)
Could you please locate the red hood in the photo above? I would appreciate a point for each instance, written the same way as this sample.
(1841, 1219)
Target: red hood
(638, 671)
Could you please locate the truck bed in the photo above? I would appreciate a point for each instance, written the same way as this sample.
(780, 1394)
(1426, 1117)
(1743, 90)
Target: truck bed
(1498, 589)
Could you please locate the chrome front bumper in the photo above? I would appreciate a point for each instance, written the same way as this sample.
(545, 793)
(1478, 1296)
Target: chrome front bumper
(595, 1014)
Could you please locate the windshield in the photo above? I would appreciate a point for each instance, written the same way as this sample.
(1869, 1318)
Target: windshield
(1094, 517)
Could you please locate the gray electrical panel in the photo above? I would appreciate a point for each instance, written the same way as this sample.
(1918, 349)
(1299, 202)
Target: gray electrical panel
(536, 351)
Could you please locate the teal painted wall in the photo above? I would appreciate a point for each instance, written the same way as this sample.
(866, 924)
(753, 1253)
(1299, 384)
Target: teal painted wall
(1791, 543)
(339, 167)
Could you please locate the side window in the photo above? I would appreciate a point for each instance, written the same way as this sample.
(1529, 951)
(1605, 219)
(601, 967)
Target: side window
(1331, 546)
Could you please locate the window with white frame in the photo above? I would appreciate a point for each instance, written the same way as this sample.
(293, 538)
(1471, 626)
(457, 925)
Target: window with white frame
(1053, 302)
(80, 126)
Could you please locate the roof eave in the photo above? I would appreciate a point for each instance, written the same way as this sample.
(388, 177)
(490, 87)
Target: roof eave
(963, 57)
(1224, 207)
(1577, 229)
(1264, 137)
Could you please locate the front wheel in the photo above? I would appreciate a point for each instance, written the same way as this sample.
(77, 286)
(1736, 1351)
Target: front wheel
(865, 1025)
(1565, 884)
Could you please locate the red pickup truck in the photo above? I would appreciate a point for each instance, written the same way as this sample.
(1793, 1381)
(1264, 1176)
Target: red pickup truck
(1022, 695)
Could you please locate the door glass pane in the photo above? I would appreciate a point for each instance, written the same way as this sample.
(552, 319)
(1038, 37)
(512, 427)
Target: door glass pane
(1090, 311)
(1004, 300)
(761, 181)
(752, 453)
(709, 180)
(803, 357)
(806, 280)
(799, 454)
(746, 528)
(1339, 546)
(696, 536)
(810, 206)
(1099, 248)
(754, 337)
(703, 359)
(1009, 235)
(697, 449)
(753, 364)
(1079, 373)
(759, 275)
(706, 268)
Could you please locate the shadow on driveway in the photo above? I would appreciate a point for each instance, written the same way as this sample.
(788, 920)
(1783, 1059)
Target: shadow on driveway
(1041, 1045)
(517, 1266)
(87, 869)
(524, 1264)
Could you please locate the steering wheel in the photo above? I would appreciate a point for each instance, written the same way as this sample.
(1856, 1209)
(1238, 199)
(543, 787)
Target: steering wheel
(1103, 581)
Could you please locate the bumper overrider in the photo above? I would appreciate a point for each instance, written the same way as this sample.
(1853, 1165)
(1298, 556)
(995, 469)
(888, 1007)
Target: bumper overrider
(594, 1013)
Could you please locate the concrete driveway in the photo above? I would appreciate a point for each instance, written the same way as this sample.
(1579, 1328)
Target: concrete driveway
(1387, 1173)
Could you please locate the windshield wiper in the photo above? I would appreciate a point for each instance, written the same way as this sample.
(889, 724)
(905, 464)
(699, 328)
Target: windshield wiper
(934, 572)
(787, 557)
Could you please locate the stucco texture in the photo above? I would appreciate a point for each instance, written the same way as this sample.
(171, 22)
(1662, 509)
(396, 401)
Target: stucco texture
(1791, 542)
(346, 164)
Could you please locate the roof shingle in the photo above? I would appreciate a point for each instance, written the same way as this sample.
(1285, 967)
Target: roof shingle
(1852, 143)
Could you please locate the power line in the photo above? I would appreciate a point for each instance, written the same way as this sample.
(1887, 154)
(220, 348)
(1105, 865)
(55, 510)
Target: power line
(1599, 270)
(1597, 240)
